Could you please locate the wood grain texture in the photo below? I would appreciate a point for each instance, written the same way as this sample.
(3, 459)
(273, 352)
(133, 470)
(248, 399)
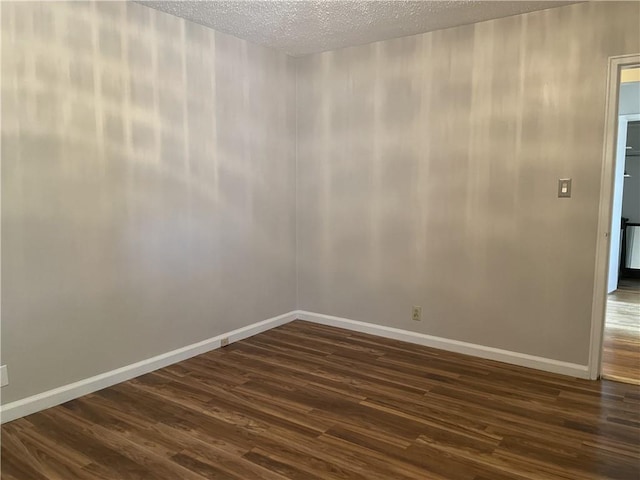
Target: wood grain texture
(305, 401)
(621, 343)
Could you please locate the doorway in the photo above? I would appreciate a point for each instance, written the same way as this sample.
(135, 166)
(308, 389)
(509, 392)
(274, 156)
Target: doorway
(621, 341)
(615, 334)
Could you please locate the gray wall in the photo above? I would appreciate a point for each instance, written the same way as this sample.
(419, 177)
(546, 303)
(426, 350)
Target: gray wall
(427, 175)
(148, 183)
(148, 188)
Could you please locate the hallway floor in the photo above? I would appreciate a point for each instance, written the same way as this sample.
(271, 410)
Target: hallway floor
(621, 354)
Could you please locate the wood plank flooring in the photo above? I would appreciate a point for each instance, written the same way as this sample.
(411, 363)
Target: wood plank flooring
(311, 402)
(621, 343)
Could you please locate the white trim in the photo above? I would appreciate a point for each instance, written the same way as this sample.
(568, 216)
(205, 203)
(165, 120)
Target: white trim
(601, 276)
(56, 396)
(51, 398)
(490, 353)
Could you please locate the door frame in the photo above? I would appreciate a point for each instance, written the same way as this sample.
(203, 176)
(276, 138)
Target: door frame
(599, 304)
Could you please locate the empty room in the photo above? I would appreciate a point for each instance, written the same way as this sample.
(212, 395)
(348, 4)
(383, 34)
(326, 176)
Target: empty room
(318, 240)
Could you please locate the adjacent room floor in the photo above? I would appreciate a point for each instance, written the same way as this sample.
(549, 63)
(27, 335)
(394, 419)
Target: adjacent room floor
(309, 402)
(621, 344)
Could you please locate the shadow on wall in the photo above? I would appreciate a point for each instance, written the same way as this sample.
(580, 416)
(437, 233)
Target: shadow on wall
(147, 187)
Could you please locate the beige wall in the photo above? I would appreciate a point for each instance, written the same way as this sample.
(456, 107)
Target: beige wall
(148, 183)
(427, 175)
(148, 188)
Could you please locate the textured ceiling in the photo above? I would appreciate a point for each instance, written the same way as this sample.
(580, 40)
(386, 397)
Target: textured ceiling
(306, 26)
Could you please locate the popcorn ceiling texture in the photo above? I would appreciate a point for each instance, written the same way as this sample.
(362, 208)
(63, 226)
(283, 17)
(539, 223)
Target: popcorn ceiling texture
(302, 27)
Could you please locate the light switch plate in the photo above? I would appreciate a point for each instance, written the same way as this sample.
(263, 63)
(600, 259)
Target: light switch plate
(564, 188)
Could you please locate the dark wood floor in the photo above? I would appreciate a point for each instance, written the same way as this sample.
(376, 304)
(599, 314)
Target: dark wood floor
(621, 342)
(310, 402)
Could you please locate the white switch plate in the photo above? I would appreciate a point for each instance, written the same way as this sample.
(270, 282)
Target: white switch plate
(4, 376)
(564, 188)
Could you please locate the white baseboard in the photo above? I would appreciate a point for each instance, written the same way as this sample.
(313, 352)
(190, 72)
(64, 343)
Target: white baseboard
(490, 353)
(51, 398)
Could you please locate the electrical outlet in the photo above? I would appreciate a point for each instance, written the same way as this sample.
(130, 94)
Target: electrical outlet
(224, 342)
(416, 314)
(4, 376)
